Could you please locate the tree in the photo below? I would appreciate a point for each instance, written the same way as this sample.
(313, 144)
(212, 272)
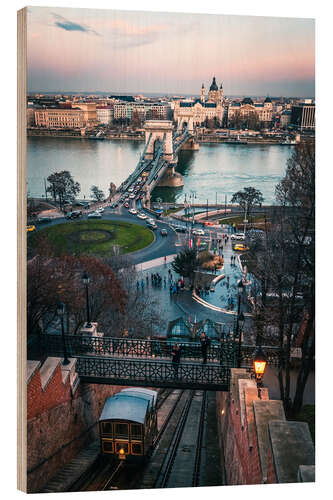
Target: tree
(97, 193)
(63, 186)
(284, 266)
(53, 279)
(185, 263)
(248, 198)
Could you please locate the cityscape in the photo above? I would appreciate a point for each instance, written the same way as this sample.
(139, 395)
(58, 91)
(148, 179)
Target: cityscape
(170, 250)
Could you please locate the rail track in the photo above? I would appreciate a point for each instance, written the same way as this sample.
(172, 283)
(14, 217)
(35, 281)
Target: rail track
(181, 466)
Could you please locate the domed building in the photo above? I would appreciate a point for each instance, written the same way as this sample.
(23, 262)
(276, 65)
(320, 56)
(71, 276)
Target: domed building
(200, 110)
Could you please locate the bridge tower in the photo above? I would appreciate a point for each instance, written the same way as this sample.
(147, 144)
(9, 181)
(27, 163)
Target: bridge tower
(186, 120)
(161, 132)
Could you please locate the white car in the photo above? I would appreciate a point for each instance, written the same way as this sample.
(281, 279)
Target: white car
(198, 232)
(132, 196)
(130, 190)
(142, 216)
(94, 215)
(238, 236)
(132, 211)
(100, 210)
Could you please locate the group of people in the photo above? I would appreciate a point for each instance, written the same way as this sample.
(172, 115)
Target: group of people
(202, 291)
(233, 260)
(177, 350)
(176, 286)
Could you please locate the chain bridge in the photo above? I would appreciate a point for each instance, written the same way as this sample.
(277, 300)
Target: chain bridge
(159, 157)
(145, 362)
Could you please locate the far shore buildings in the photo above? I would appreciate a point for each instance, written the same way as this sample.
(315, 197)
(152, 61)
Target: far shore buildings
(261, 111)
(201, 110)
(79, 116)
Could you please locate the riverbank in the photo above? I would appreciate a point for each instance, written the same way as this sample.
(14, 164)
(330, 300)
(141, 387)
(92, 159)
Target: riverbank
(76, 134)
(134, 136)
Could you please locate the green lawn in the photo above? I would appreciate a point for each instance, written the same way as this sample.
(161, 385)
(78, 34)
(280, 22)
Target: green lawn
(95, 237)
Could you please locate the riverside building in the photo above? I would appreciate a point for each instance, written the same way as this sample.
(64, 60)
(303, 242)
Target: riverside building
(80, 116)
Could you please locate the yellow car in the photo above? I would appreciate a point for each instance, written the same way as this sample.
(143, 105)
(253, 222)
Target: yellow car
(30, 228)
(241, 248)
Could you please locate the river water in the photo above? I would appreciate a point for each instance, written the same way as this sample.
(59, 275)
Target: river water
(216, 170)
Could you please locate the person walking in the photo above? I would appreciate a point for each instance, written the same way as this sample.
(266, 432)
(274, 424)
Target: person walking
(175, 355)
(205, 342)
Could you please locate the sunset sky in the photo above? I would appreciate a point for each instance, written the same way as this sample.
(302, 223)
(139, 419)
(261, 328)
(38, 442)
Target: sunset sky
(117, 51)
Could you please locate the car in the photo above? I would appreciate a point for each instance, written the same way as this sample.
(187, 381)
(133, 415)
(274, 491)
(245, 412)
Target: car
(114, 205)
(126, 204)
(30, 228)
(198, 232)
(150, 221)
(132, 211)
(180, 229)
(95, 215)
(152, 225)
(142, 215)
(238, 236)
(132, 196)
(241, 248)
(74, 215)
(100, 209)
(130, 190)
(80, 204)
(164, 232)
(42, 220)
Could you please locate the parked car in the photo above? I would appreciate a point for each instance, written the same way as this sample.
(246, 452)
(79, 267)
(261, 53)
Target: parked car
(42, 220)
(95, 215)
(198, 232)
(241, 248)
(126, 204)
(30, 228)
(132, 196)
(238, 236)
(100, 210)
(114, 205)
(74, 215)
(180, 229)
(132, 211)
(164, 232)
(142, 215)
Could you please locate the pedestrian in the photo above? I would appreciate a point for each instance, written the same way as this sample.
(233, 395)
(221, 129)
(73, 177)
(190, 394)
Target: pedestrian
(147, 279)
(164, 259)
(137, 285)
(205, 342)
(142, 284)
(175, 354)
(164, 279)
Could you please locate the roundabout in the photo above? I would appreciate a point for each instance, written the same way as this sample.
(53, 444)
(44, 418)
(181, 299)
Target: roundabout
(95, 237)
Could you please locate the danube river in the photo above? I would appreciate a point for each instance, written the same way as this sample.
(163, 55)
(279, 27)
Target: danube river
(216, 170)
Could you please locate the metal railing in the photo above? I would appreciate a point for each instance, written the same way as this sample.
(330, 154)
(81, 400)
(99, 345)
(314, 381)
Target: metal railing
(152, 373)
(223, 352)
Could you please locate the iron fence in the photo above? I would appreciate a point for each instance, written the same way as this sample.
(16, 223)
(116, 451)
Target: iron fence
(223, 352)
(152, 373)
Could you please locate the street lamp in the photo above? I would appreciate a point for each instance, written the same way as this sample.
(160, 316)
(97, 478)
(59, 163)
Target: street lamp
(60, 313)
(259, 366)
(240, 321)
(86, 281)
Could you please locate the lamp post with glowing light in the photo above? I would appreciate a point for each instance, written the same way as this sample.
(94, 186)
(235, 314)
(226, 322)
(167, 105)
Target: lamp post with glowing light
(240, 321)
(86, 281)
(60, 313)
(259, 367)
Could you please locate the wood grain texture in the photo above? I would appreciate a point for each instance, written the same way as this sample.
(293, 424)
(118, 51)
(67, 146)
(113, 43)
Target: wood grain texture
(21, 249)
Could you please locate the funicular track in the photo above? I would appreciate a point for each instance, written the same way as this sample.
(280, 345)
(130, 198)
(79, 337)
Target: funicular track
(181, 466)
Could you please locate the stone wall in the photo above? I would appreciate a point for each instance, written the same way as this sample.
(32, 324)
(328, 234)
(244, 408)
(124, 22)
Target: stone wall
(62, 418)
(259, 445)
